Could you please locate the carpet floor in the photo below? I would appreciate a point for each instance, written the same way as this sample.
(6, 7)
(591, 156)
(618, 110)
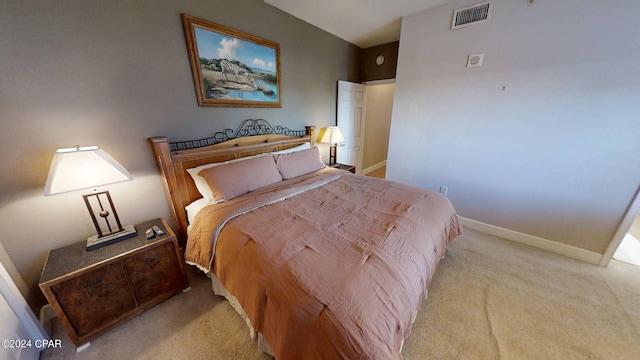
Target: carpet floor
(490, 299)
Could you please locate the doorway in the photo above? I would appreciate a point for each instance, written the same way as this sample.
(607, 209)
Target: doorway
(629, 225)
(629, 249)
(380, 95)
(17, 322)
(369, 125)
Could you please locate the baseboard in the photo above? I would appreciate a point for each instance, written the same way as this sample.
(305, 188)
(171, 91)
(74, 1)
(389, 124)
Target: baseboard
(374, 167)
(46, 315)
(537, 242)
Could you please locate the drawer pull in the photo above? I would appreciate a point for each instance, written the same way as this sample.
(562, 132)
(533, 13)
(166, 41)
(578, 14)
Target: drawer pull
(152, 260)
(93, 283)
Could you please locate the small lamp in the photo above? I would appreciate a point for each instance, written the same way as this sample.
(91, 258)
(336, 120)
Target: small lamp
(87, 167)
(332, 135)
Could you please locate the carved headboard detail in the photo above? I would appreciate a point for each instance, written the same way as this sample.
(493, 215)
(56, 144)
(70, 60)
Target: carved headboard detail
(249, 127)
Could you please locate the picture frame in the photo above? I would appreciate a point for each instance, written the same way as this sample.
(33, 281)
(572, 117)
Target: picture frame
(231, 68)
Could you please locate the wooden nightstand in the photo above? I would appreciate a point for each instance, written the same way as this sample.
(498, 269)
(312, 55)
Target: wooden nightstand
(94, 291)
(344, 167)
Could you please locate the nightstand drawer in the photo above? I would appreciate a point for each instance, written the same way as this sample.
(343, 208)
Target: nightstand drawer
(155, 273)
(95, 299)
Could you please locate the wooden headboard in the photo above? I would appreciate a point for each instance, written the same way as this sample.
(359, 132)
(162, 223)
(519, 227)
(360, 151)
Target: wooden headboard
(174, 158)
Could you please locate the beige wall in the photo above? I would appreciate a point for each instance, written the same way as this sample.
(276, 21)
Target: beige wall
(541, 137)
(113, 73)
(378, 112)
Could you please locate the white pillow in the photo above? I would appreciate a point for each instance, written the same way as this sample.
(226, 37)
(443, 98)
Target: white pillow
(194, 207)
(304, 146)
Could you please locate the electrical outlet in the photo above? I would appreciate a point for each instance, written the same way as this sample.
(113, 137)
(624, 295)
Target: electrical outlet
(444, 190)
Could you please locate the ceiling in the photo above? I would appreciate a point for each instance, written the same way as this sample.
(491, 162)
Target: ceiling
(364, 23)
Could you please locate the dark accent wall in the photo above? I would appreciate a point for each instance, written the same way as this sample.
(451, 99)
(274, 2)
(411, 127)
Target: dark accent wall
(114, 73)
(387, 70)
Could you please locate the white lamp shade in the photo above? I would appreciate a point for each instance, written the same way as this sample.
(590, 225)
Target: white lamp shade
(83, 168)
(332, 135)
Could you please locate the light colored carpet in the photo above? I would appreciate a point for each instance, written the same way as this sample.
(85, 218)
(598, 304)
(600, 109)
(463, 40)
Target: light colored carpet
(490, 299)
(378, 173)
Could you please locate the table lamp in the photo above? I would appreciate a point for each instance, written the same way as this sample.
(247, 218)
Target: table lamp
(87, 167)
(332, 135)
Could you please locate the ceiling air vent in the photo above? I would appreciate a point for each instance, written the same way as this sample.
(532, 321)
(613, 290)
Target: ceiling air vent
(470, 15)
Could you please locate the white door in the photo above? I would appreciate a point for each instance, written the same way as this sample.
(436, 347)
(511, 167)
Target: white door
(20, 331)
(352, 99)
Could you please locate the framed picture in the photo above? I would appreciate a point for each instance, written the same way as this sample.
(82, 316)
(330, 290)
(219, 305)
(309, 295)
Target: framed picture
(231, 68)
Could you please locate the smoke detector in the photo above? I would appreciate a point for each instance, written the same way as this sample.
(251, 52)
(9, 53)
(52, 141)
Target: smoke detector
(475, 60)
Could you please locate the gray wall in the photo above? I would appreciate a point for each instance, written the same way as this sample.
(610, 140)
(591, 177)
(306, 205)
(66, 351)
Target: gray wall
(113, 73)
(543, 138)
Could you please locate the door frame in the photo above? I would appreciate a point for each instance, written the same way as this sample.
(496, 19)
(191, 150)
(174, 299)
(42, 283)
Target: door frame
(630, 216)
(29, 326)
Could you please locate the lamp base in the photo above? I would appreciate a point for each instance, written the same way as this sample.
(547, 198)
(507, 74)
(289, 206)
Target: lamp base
(95, 242)
(333, 154)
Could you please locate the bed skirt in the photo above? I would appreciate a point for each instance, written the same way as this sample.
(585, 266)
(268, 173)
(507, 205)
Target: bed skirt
(220, 290)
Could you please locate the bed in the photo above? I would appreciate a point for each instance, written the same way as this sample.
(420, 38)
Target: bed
(319, 262)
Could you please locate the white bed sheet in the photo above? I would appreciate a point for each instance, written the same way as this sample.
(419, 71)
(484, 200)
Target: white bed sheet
(220, 290)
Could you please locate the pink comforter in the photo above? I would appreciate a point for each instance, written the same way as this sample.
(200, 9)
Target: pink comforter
(331, 266)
